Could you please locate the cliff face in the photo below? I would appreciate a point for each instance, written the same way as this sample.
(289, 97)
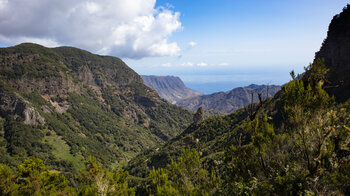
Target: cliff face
(170, 88)
(230, 101)
(94, 104)
(15, 105)
(336, 52)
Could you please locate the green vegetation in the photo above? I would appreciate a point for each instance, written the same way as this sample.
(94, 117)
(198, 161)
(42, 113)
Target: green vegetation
(185, 177)
(306, 152)
(61, 151)
(32, 178)
(91, 105)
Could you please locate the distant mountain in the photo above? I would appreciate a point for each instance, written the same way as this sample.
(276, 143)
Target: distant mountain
(65, 104)
(229, 101)
(171, 88)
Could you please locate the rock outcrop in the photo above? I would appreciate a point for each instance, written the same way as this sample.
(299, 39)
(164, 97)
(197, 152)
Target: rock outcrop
(335, 51)
(17, 106)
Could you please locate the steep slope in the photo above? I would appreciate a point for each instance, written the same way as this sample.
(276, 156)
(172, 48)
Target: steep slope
(86, 103)
(230, 101)
(171, 88)
(335, 51)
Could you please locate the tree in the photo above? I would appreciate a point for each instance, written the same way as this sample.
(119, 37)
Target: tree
(98, 181)
(33, 178)
(185, 177)
(305, 107)
(7, 181)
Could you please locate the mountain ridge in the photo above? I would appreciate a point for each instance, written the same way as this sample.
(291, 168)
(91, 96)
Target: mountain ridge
(230, 101)
(95, 104)
(171, 88)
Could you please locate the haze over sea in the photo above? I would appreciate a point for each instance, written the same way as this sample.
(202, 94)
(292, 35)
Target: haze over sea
(215, 79)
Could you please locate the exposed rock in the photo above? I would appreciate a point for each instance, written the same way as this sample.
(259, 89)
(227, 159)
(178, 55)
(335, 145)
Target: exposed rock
(60, 107)
(14, 104)
(46, 109)
(170, 88)
(32, 117)
(336, 52)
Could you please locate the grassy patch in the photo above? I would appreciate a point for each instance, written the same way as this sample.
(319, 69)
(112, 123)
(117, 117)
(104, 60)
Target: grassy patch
(61, 150)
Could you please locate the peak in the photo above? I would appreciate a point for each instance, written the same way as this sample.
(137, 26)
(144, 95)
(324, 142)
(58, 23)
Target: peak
(253, 86)
(27, 45)
(155, 76)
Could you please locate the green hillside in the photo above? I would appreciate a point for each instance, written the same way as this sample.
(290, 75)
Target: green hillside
(64, 104)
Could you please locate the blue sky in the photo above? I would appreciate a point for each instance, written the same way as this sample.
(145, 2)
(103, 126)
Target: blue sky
(213, 45)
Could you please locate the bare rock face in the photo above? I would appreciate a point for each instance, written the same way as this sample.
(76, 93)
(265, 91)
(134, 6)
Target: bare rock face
(14, 104)
(335, 51)
(46, 109)
(32, 117)
(170, 88)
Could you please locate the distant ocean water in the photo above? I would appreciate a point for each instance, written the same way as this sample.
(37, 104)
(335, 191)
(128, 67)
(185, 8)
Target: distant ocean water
(216, 83)
(208, 88)
(215, 79)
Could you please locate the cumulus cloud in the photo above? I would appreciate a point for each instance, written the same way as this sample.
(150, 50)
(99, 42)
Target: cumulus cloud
(202, 64)
(192, 44)
(132, 28)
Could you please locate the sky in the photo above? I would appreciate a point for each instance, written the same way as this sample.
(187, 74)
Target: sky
(212, 45)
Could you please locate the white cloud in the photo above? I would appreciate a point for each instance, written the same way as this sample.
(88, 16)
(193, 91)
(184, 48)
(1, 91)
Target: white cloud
(187, 64)
(92, 7)
(166, 65)
(192, 44)
(3, 3)
(202, 64)
(223, 64)
(169, 5)
(132, 28)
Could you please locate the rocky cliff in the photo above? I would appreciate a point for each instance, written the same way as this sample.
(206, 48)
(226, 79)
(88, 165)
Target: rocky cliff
(171, 88)
(15, 105)
(335, 50)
